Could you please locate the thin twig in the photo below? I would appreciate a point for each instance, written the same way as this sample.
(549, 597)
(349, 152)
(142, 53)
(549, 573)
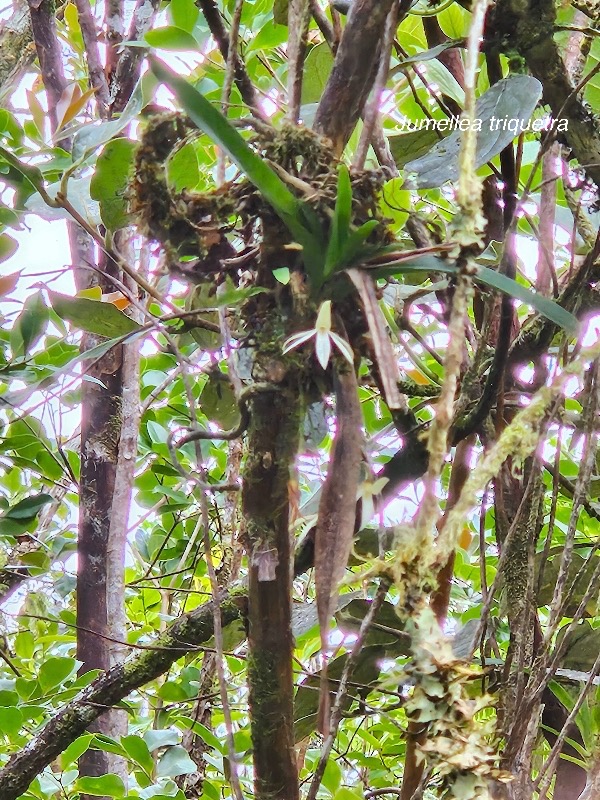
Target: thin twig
(299, 13)
(217, 28)
(323, 23)
(234, 778)
(337, 710)
(89, 32)
(580, 492)
(232, 57)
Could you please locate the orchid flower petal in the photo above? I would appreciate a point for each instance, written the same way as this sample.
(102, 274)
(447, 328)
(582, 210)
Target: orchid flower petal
(323, 348)
(297, 339)
(323, 322)
(343, 346)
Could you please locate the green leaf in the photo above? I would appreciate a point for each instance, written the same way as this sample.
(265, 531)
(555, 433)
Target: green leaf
(55, 670)
(219, 403)
(103, 785)
(355, 250)
(282, 275)
(439, 74)
(161, 738)
(395, 203)
(24, 648)
(454, 21)
(340, 225)
(90, 137)
(11, 720)
(29, 325)
(110, 181)
(300, 219)
(31, 174)
(332, 777)
(8, 217)
(317, 68)
(171, 38)
(157, 433)
(10, 128)
(175, 761)
(489, 277)
(93, 316)
(8, 246)
(235, 297)
(29, 507)
(270, 35)
(511, 101)
(182, 168)
(411, 144)
(548, 308)
(108, 745)
(137, 750)
(76, 749)
(348, 794)
(427, 55)
(208, 737)
(73, 26)
(184, 14)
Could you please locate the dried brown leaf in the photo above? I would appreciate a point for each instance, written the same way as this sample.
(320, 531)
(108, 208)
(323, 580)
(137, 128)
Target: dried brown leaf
(337, 507)
(387, 362)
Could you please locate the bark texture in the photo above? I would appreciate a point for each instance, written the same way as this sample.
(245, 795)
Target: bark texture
(17, 50)
(272, 446)
(353, 71)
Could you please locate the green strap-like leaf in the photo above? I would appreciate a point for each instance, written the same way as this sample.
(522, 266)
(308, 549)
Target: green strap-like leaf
(340, 225)
(355, 249)
(548, 308)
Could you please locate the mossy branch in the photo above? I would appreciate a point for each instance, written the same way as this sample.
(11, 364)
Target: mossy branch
(184, 634)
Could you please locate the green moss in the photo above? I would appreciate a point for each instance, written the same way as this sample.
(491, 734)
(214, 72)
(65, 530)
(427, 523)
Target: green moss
(261, 667)
(195, 226)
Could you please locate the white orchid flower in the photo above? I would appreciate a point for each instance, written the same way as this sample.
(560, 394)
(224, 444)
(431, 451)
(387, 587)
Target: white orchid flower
(324, 337)
(368, 491)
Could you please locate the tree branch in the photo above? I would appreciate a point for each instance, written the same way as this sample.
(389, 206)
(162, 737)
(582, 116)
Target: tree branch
(272, 445)
(242, 81)
(353, 72)
(89, 32)
(114, 25)
(184, 634)
(43, 26)
(299, 14)
(127, 71)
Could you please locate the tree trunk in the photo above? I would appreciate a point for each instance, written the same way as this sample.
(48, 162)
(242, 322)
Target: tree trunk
(272, 445)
